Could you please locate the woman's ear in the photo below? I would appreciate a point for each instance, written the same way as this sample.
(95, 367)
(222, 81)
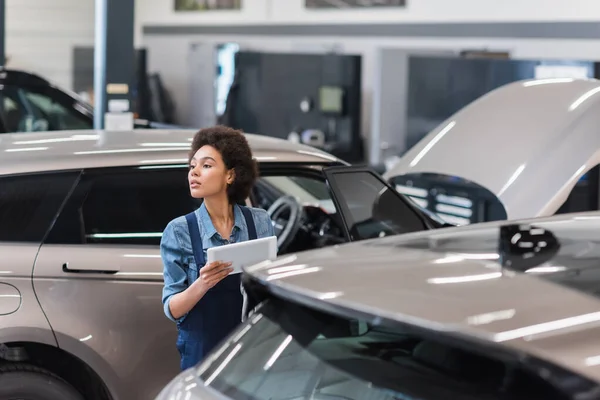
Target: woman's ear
(231, 176)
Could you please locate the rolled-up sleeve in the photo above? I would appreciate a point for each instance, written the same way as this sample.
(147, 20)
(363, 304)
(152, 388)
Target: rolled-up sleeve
(264, 224)
(174, 273)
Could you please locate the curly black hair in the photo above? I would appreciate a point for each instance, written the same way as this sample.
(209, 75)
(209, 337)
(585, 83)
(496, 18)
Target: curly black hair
(236, 154)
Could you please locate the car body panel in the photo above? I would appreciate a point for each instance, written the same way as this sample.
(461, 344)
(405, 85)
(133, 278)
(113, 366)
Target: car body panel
(450, 281)
(123, 302)
(10, 299)
(528, 142)
(25, 153)
(27, 322)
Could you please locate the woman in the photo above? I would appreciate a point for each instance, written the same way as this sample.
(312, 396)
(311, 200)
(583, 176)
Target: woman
(203, 299)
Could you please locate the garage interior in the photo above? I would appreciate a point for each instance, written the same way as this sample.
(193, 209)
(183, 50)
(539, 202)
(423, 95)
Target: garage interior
(375, 85)
(388, 76)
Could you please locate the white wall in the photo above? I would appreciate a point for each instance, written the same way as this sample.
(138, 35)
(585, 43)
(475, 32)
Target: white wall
(293, 11)
(41, 34)
(160, 12)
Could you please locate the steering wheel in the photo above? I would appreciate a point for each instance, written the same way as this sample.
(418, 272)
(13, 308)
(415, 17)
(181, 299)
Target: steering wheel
(285, 228)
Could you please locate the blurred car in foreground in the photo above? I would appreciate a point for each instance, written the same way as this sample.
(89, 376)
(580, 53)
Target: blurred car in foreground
(488, 311)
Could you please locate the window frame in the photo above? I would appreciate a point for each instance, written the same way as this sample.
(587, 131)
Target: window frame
(320, 171)
(330, 174)
(311, 170)
(100, 171)
(304, 170)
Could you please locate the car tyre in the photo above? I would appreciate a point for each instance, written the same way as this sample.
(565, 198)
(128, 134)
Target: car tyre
(27, 382)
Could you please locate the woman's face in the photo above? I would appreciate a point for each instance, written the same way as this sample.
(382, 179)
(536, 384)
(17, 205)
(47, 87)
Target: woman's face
(208, 174)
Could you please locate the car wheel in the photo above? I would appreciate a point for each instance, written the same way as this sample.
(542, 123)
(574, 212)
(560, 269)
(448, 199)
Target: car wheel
(26, 382)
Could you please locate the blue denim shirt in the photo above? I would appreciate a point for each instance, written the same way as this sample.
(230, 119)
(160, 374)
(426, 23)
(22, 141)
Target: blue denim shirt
(179, 266)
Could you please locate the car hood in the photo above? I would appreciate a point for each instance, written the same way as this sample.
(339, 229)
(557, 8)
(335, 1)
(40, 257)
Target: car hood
(527, 142)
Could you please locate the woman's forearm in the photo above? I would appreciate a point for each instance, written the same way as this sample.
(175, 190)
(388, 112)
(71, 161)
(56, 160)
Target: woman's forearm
(182, 302)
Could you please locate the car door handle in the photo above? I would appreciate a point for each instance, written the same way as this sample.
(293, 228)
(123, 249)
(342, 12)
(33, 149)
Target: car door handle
(67, 269)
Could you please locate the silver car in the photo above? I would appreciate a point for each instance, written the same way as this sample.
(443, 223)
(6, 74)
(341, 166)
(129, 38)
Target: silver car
(520, 150)
(489, 311)
(81, 217)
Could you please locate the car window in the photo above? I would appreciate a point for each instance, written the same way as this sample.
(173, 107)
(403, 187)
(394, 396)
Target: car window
(287, 351)
(370, 208)
(123, 206)
(308, 190)
(319, 224)
(31, 110)
(29, 204)
(12, 113)
(59, 116)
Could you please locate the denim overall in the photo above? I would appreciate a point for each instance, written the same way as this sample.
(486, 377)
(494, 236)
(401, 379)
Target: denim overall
(218, 313)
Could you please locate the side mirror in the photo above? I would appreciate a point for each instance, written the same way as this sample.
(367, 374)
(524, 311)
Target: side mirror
(523, 246)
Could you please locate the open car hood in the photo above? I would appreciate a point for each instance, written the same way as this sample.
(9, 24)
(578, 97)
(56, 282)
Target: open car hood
(527, 142)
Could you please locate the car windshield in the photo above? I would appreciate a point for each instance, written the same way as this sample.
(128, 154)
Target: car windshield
(290, 352)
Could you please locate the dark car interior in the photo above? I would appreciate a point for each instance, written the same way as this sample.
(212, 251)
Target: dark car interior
(311, 226)
(307, 215)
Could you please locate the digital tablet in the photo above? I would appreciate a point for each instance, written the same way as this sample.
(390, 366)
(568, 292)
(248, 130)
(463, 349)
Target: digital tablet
(246, 253)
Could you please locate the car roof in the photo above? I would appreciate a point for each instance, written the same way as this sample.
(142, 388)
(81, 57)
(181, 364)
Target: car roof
(450, 280)
(18, 76)
(512, 138)
(65, 150)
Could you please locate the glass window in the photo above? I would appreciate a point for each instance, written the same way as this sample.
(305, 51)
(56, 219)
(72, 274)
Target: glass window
(286, 351)
(30, 110)
(308, 191)
(29, 204)
(124, 206)
(59, 116)
(12, 114)
(319, 225)
(370, 208)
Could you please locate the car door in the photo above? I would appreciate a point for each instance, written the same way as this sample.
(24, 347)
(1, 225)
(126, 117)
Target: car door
(371, 208)
(28, 205)
(99, 275)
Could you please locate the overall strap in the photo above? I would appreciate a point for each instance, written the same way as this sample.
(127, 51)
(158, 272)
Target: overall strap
(196, 239)
(249, 222)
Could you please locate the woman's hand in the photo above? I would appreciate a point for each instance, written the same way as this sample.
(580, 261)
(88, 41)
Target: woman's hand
(213, 273)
